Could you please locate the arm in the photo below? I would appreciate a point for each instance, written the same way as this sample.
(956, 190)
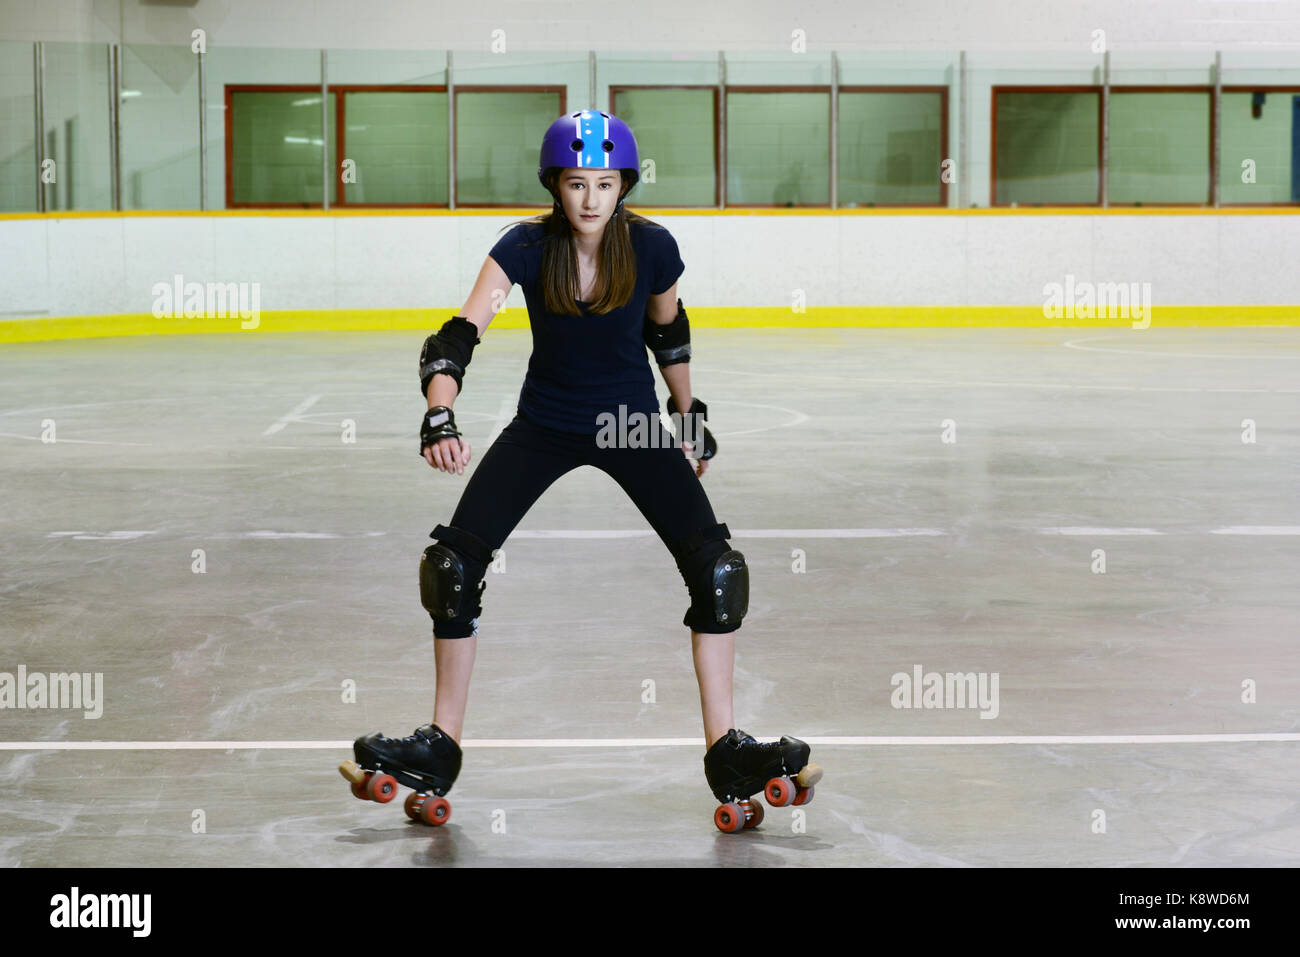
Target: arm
(491, 287)
(451, 454)
(662, 311)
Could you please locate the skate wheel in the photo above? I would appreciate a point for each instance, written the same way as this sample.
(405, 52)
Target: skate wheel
(779, 792)
(359, 791)
(756, 812)
(803, 796)
(730, 818)
(414, 801)
(435, 811)
(381, 788)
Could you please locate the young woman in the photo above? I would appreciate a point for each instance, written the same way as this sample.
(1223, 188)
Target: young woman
(601, 285)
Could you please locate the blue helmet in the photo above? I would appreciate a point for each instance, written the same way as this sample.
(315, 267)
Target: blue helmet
(589, 139)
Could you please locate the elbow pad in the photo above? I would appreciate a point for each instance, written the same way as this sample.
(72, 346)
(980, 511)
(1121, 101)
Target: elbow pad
(671, 343)
(448, 351)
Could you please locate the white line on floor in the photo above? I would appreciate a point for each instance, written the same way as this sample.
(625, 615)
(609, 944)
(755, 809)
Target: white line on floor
(284, 420)
(1161, 354)
(37, 438)
(906, 741)
(505, 413)
(1257, 530)
(1086, 530)
(801, 533)
(735, 533)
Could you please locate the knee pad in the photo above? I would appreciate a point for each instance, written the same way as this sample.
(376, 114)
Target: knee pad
(451, 580)
(717, 577)
(730, 587)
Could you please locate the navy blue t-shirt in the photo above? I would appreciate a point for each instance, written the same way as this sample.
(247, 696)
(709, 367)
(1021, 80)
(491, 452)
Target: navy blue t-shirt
(585, 365)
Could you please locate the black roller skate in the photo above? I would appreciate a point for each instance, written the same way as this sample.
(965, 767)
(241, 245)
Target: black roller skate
(738, 766)
(427, 761)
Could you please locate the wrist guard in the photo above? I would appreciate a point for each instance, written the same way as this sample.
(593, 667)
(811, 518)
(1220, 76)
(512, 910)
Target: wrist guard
(448, 351)
(438, 423)
(671, 343)
(690, 427)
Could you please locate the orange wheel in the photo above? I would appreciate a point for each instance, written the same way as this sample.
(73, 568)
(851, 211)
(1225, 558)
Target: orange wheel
(382, 788)
(359, 791)
(436, 811)
(779, 792)
(803, 796)
(414, 801)
(756, 814)
(730, 818)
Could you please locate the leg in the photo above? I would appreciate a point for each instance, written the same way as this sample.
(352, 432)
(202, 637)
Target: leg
(454, 658)
(715, 658)
(520, 465)
(666, 490)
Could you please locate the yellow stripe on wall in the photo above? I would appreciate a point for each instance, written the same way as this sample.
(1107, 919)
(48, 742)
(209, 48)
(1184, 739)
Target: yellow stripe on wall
(738, 317)
(1290, 209)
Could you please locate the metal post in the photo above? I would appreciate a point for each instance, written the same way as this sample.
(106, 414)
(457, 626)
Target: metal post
(722, 130)
(114, 127)
(324, 136)
(835, 131)
(38, 80)
(451, 136)
(1216, 146)
(591, 79)
(203, 132)
(963, 154)
(1105, 131)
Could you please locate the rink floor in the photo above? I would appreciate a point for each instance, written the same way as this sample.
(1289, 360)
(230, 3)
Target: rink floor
(875, 548)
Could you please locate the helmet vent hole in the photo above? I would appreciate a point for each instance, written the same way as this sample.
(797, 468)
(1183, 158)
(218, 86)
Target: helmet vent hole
(607, 146)
(576, 146)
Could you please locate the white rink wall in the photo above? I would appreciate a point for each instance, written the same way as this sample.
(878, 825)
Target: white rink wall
(104, 265)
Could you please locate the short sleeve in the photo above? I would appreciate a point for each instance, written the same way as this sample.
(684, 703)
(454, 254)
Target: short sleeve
(666, 261)
(509, 255)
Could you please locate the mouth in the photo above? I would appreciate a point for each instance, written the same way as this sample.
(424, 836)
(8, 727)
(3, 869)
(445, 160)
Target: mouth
(590, 217)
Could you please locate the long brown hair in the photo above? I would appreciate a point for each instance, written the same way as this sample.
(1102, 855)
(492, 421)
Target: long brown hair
(615, 257)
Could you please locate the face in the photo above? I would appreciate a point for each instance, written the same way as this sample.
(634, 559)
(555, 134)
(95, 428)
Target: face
(589, 192)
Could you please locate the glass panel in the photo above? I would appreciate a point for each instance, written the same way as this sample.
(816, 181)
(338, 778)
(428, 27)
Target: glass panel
(1047, 146)
(989, 69)
(273, 67)
(398, 142)
(890, 148)
(397, 139)
(276, 156)
(17, 128)
(1264, 148)
(76, 126)
(778, 148)
(674, 129)
(159, 123)
(1159, 147)
(498, 138)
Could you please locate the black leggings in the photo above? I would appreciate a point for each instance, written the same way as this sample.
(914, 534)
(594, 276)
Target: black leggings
(525, 461)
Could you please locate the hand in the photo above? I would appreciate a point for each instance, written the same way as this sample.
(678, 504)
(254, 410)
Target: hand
(701, 465)
(448, 455)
